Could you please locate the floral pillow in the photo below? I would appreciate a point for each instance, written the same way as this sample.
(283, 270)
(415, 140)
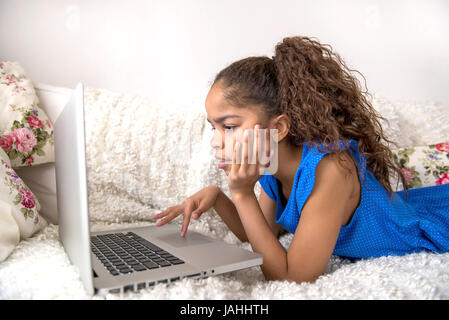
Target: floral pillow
(424, 166)
(26, 133)
(19, 209)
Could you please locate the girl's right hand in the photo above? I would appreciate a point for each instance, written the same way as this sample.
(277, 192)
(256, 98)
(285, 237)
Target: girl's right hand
(194, 206)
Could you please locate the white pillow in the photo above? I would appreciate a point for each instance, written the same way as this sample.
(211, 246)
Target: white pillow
(26, 133)
(19, 209)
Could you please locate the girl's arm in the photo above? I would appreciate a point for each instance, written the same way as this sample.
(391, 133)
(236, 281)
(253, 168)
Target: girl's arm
(326, 209)
(228, 213)
(212, 196)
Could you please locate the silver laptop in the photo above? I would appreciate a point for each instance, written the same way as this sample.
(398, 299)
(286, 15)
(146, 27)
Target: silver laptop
(133, 258)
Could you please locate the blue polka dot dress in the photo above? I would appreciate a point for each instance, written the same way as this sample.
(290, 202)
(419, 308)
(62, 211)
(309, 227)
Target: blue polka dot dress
(380, 225)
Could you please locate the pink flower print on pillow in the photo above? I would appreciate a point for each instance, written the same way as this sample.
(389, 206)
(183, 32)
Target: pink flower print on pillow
(34, 122)
(29, 160)
(408, 174)
(15, 178)
(21, 194)
(443, 179)
(27, 198)
(11, 79)
(24, 140)
(6, 141)
(443, 147)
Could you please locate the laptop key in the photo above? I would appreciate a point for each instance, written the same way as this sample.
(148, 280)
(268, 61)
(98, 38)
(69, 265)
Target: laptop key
(125, 270)
(119, 265)
(164, 263)
(165, 255)
(139, 267)
(150, 265)
(171, 258)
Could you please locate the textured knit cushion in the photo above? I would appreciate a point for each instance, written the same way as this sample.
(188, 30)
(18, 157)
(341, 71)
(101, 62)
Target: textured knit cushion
(19, 209)
(26, 133)
(424, 166)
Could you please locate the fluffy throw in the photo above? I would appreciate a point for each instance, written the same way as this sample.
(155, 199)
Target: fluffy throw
(143, 158)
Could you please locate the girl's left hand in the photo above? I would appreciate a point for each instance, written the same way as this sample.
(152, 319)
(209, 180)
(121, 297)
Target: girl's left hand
(246, 172)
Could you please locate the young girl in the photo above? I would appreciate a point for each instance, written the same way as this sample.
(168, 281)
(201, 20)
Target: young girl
(332, 185)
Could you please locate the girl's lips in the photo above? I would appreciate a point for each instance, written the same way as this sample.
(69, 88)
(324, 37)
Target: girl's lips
(221, 164)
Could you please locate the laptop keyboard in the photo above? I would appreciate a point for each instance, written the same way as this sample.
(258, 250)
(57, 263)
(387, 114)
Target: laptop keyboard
(123, 253)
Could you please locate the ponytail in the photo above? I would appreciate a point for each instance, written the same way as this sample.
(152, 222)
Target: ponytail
(311, 86)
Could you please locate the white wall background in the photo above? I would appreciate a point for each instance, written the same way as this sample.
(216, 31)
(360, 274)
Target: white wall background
(170, 50)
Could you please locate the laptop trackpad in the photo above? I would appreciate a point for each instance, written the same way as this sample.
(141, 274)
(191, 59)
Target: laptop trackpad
(192, 239)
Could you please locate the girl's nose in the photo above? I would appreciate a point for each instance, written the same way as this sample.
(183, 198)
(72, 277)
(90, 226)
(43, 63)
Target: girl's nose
(217, 140)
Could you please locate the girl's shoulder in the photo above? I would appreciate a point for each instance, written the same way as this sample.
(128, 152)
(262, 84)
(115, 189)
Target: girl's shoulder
(318, 148)
(315, 152)
(312, 156)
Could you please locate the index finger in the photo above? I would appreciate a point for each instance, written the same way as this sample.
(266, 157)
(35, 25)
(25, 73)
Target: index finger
(187, 214)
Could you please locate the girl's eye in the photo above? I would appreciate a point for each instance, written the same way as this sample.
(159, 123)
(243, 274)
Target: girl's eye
(226, 128)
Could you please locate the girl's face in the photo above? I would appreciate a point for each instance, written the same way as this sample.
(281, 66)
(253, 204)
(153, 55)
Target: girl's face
(229, 122)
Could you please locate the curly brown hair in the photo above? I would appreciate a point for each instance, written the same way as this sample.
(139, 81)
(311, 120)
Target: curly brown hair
(314, 88)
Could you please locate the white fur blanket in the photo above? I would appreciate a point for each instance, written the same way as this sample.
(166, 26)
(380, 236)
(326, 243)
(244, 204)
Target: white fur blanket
(143, 158)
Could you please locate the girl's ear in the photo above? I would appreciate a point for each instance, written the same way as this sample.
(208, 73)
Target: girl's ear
(282, 124)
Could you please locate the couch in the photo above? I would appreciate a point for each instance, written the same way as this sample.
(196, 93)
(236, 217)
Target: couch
(143, 157)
